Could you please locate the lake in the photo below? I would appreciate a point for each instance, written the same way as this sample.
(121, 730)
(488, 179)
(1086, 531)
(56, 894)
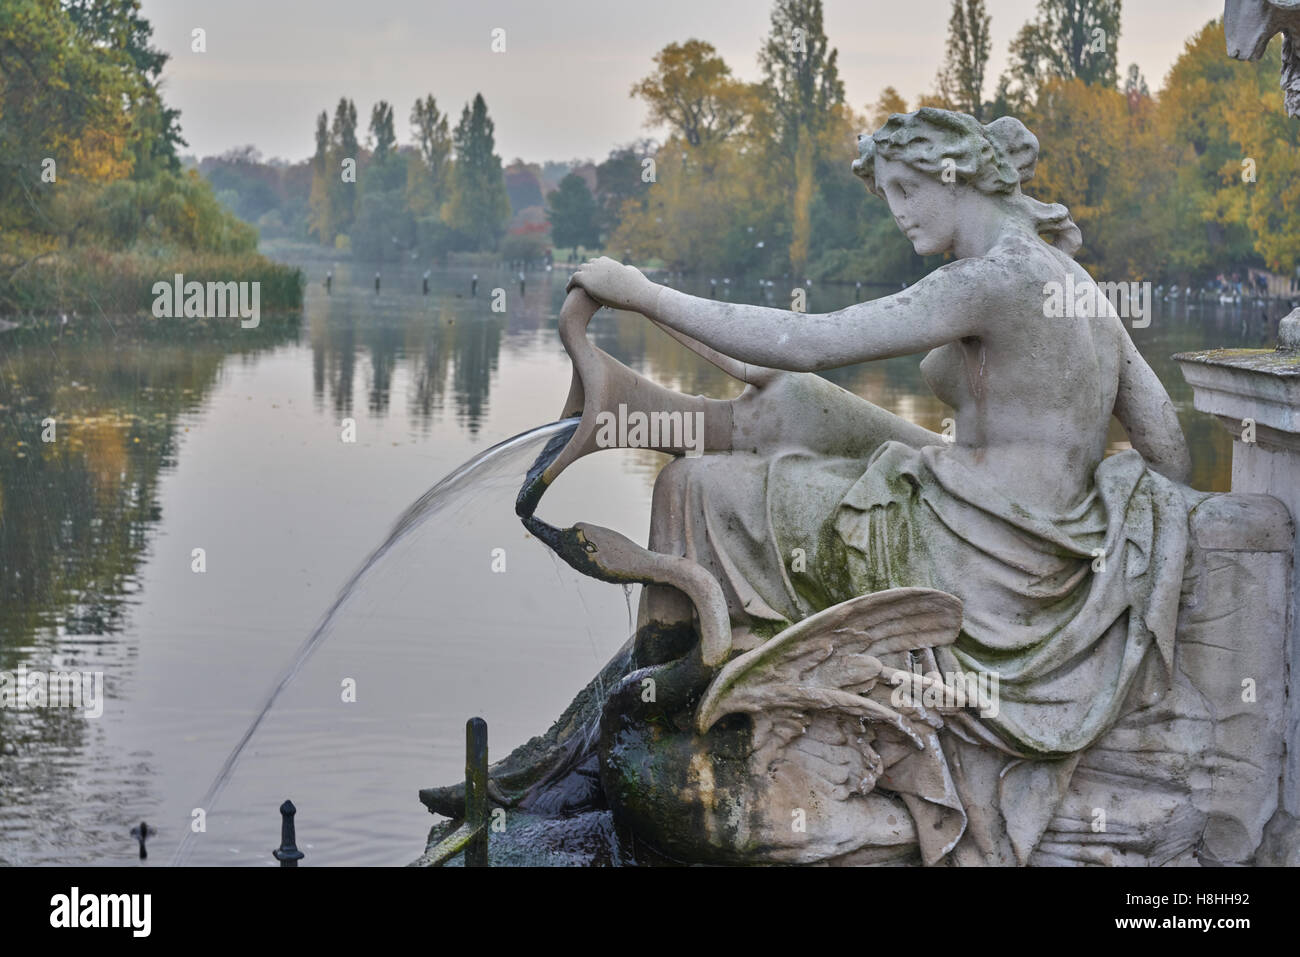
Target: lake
(176, 436)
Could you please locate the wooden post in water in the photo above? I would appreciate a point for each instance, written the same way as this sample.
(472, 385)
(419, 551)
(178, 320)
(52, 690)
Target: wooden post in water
(476, 797)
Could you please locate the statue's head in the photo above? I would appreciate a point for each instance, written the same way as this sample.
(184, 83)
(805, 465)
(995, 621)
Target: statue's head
(928, 165)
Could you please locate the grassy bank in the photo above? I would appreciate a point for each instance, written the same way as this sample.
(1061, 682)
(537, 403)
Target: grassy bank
(91, 281)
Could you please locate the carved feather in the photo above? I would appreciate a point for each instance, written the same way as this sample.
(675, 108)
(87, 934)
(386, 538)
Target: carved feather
(808, 692)
(829, 660)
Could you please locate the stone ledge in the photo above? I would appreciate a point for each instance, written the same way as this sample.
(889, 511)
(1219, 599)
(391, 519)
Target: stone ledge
(1275, 362)
(1237, 384)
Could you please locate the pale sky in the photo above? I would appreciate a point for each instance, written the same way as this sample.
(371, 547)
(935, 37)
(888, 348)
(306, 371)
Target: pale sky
(560, 90)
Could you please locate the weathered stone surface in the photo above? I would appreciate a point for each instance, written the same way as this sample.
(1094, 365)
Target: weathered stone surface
(1288, 332)
(1255, 393)
(865, 643)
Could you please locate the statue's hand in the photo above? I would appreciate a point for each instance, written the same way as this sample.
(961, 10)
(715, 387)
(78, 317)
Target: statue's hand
(613, 284)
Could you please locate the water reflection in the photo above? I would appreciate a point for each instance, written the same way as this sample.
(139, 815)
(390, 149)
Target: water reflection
(452, 343)
(89, 421)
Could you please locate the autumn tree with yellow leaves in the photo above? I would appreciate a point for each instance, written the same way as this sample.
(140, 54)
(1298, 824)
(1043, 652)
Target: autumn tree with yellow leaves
(88, 149)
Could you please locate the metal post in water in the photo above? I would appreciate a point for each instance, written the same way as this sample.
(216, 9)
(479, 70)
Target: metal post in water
(476, 796)
(287, 853)
(376, 282)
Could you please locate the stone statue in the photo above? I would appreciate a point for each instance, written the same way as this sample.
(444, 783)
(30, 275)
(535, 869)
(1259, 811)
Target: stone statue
(1249, 25)
(861, 642)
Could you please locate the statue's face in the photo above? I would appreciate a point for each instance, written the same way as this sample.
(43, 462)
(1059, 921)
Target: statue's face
(924, 208)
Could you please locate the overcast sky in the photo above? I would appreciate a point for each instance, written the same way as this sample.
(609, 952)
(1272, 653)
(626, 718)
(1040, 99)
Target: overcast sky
(560, 90)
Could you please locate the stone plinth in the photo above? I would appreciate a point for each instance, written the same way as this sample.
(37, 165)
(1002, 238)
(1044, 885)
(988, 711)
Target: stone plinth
(1256, 394)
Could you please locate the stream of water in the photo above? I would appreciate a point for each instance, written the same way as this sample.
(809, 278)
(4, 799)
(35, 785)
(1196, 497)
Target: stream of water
(510, 458)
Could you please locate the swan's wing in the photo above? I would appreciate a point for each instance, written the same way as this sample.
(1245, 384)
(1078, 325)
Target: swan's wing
(828, 661)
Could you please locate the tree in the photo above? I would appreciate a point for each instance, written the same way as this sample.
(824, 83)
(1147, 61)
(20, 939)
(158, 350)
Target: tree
(479, 205)
(573, 213)
(1235, 195)
(801, 80)
(887, 104)
(384, 227)
(804, 98)
(1068, 39)
(706, 222)
(320, 221)
(117, 29)
(344, 131)
(619, 182)
(962, 79)
(61, 100)
(1104, 161)
(1135, 84)
(427, 179)
(87, 156)
(523, 185)
(386, 171)
(1268, 199)
(693, 93)
(343, 146)
(382, 136)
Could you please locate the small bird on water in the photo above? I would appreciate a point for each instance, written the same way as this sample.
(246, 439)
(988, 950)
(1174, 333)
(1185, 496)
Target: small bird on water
(141, 834)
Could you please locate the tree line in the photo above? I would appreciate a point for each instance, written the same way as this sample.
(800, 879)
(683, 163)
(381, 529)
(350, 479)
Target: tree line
(1176, 185)
(446, 191)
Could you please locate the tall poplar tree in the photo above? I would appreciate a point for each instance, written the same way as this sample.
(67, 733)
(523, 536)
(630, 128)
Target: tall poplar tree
(479, 205)
(803, 92)
(1067, 40)
(962, 78)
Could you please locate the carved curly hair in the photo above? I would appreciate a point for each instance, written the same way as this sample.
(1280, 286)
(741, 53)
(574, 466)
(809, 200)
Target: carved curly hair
(995, 159)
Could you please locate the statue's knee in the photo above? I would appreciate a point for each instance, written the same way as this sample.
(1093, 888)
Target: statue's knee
(683, 472)
(680, 482)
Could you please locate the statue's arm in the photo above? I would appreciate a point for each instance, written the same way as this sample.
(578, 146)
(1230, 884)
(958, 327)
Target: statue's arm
(949, 304)
(1147, 413)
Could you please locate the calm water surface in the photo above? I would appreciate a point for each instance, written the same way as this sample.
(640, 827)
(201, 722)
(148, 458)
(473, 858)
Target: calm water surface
(179, 436)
